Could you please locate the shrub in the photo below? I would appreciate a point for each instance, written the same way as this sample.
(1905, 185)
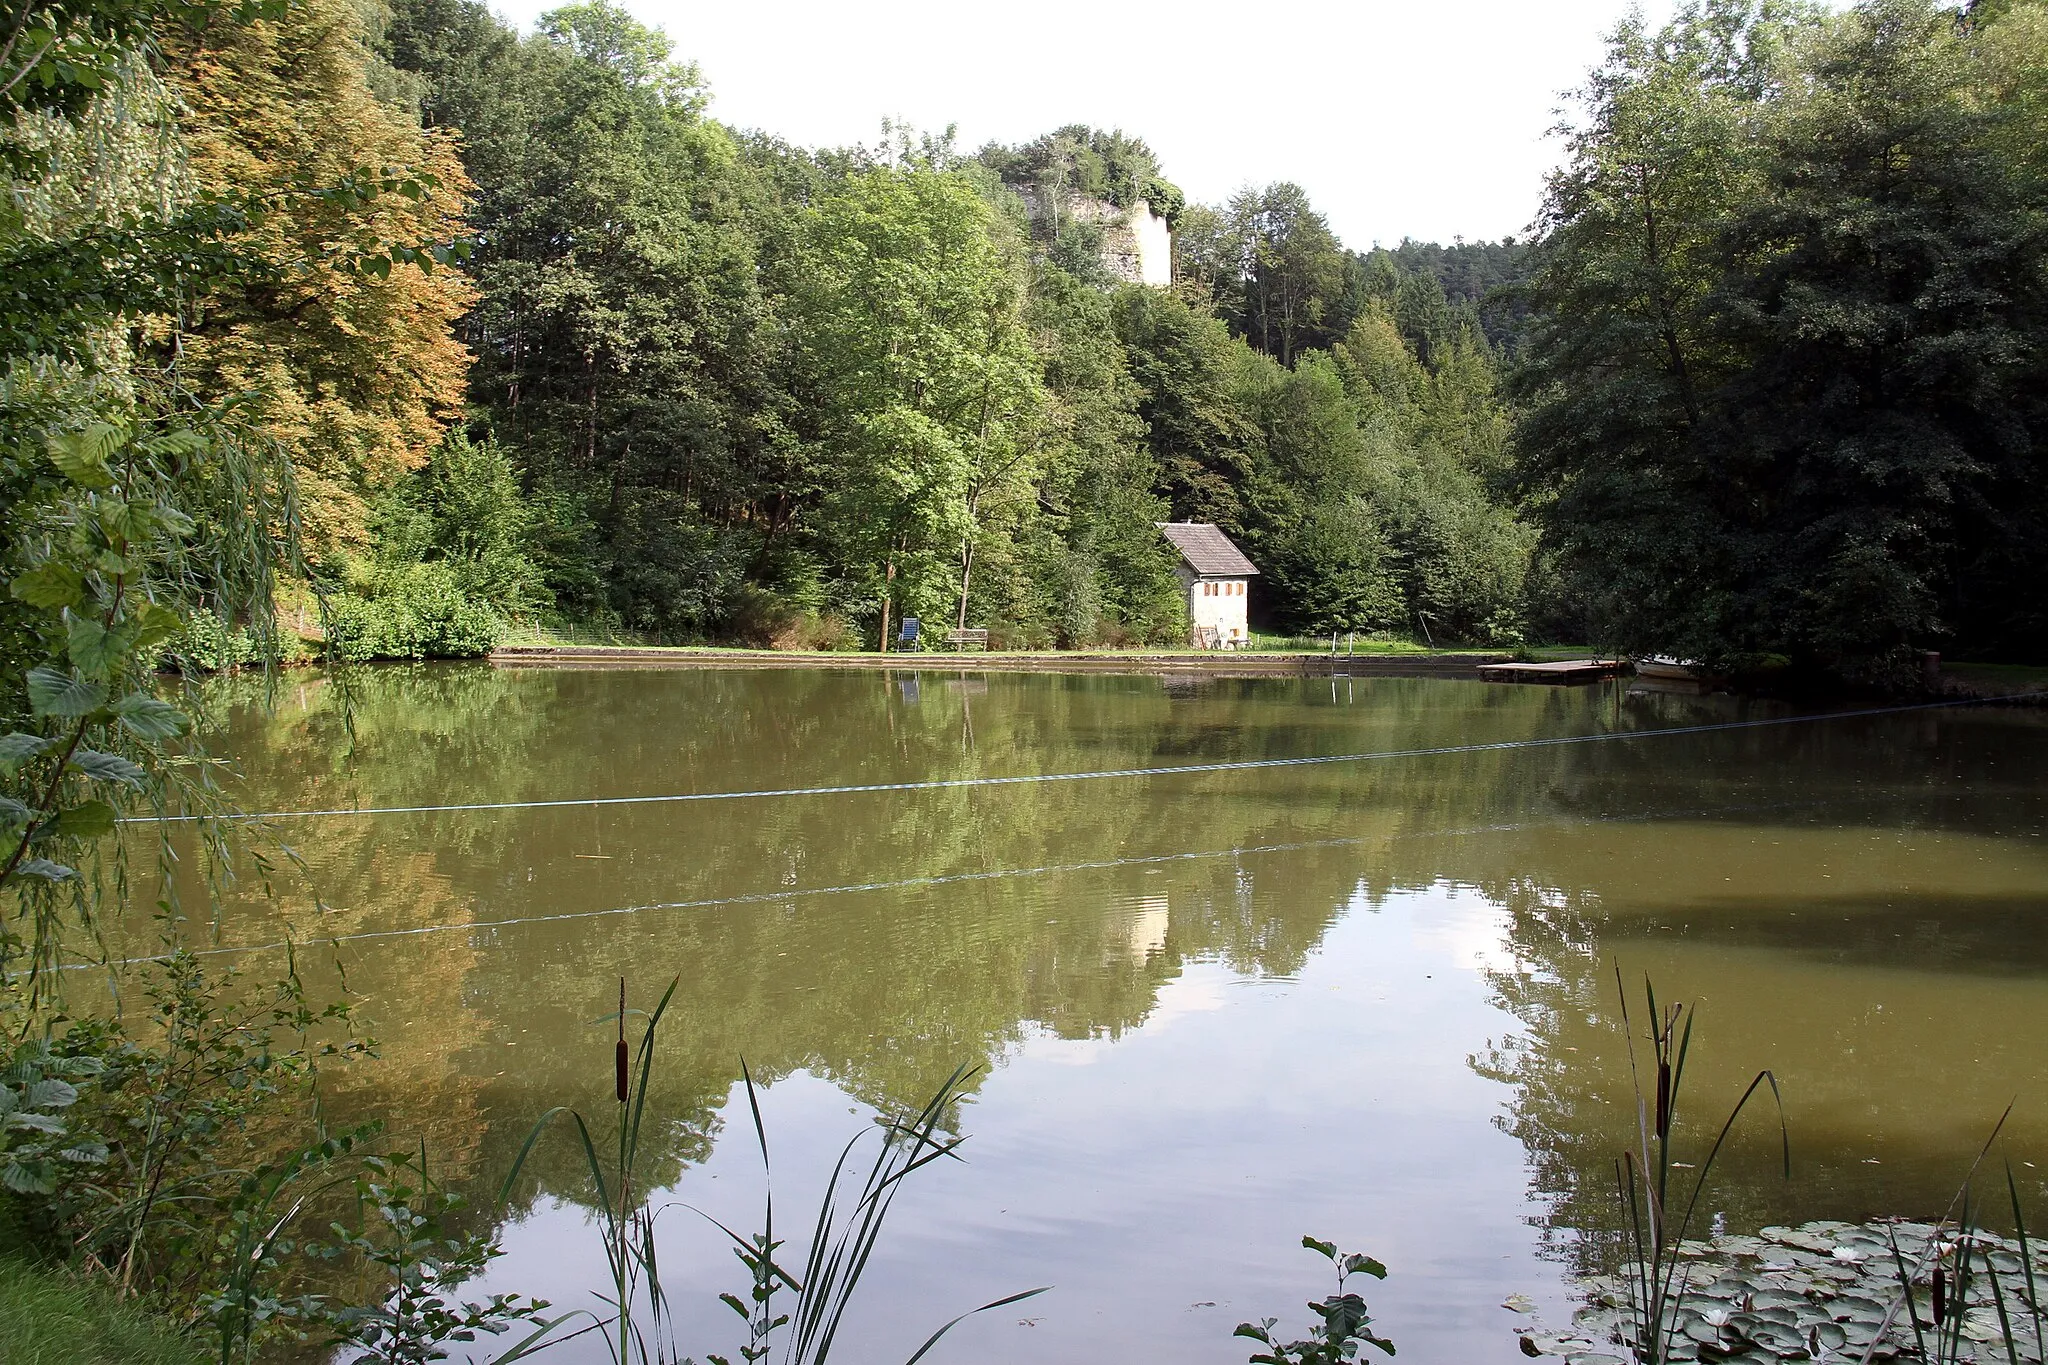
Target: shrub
(416, 612)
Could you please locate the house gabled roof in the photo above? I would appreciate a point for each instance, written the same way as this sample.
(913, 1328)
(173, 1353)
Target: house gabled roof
(1207, 550)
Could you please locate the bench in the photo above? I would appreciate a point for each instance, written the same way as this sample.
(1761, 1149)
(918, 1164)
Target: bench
(961, 639)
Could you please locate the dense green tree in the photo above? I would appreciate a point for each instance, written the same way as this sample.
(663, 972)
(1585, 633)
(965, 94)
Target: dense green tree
(912, 317)
(1781, 360)
(1182, 359)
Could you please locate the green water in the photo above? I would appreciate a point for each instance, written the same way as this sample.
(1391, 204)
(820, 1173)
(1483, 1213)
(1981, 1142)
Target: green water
(1370, 1000)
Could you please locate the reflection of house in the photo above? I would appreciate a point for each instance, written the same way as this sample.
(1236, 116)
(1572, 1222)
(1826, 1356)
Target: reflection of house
(1214, 573)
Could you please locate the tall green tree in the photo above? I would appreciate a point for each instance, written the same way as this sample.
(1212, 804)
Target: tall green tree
(913, 320)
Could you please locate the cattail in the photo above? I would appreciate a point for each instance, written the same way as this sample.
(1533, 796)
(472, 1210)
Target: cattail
(1940, 1296)
(1663, 1099)
(619, 1053)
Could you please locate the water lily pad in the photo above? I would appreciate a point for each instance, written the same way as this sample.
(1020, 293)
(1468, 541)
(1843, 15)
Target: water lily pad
(1981, 1324)
(1551, 1344)
(1780, 1339)
(1860, 1308)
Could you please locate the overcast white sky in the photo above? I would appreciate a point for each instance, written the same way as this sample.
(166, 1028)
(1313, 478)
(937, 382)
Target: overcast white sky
(1399, 118)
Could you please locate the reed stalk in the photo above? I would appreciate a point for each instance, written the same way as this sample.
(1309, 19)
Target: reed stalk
(844, 1234)
(1657, 1284)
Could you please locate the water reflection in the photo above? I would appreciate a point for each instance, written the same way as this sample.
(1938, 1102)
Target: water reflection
(1219, 1010)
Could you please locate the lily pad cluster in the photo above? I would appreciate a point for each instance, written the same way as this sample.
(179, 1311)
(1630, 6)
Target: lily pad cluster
(1825, 1292)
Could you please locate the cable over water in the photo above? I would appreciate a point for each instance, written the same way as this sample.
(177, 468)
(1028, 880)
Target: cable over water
(1167, 770)
(783, 895)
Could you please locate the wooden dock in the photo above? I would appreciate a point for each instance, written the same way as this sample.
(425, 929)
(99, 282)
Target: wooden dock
(1564, 671)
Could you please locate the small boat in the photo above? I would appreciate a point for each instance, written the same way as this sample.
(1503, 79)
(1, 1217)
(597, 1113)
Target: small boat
(1665, 667)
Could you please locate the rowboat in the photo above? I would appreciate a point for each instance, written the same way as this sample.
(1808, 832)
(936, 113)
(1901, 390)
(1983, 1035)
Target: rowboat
(1666, 667)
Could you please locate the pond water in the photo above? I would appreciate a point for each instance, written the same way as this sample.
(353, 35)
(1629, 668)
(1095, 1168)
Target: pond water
(1372, 1000)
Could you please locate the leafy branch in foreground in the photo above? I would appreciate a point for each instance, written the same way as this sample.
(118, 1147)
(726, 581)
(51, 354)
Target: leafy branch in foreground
(1343, 1325)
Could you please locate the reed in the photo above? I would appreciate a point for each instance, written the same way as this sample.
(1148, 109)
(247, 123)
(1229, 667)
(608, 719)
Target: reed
(1957, 1258)
(625, 1223)
(1656, 1281)
(845, 1231)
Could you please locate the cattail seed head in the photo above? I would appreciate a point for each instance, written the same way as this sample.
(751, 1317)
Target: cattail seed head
(619, 1053)
(1940, 1295)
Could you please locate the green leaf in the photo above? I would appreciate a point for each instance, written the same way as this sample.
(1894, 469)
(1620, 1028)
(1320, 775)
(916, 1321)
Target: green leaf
(86, 820)
(147, 718)
(49, 586)
(49, 1093)
(153, 625)
(94, 649)
(35, 1123)
(52, 692)
(1328, 1249)
(14, 813)
(81, 456)
(25, 1178)
(108, 768)
(17, 748)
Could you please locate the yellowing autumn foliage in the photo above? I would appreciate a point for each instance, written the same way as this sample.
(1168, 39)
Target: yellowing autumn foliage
(359, 375)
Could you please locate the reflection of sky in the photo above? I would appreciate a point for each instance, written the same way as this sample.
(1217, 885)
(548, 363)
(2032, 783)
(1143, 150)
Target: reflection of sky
(1162, 1182)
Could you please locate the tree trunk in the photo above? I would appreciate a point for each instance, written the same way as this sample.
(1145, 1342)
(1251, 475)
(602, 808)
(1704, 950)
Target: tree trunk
(888, 591)
(966, 572)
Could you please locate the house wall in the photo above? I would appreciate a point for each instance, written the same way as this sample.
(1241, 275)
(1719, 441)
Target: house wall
(1219, 602)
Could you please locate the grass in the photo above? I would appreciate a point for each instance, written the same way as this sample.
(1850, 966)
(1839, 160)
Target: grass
(49, 1318)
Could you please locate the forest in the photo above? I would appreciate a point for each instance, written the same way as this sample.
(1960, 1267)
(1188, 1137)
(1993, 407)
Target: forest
(342, 330)
(426, 329)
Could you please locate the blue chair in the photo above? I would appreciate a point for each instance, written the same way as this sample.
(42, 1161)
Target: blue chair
(912, 628)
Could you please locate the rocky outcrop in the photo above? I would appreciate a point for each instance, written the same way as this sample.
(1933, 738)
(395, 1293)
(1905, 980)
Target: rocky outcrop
(1137, 245)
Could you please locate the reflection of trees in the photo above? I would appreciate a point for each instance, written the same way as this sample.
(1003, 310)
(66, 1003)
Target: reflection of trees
(885, 991)
(1876, 945)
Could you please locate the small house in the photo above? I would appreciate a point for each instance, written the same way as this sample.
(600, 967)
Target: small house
(1214, 574)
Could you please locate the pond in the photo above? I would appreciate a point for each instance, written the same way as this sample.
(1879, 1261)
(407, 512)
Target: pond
(1373, 1000)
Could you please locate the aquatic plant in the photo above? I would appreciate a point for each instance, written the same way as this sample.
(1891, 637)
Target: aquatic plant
(1343, 1325)
(625, 1223)
(841, 1243)
(1983, 1290)
(844, 1234)
(1832, 1291)
(1656, 1280)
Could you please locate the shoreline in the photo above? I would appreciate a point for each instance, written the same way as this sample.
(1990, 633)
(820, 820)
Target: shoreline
(1206, 663)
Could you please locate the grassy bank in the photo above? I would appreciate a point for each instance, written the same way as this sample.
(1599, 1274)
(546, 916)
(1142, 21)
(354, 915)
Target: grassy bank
(49, 1318)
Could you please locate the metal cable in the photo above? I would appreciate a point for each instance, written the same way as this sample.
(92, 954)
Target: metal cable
(1236, 765)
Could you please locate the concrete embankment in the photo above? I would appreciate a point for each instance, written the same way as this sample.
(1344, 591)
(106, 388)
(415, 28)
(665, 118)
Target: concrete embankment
(1213, 664)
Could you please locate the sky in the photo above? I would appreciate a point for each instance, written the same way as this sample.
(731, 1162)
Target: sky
(1400, 119)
